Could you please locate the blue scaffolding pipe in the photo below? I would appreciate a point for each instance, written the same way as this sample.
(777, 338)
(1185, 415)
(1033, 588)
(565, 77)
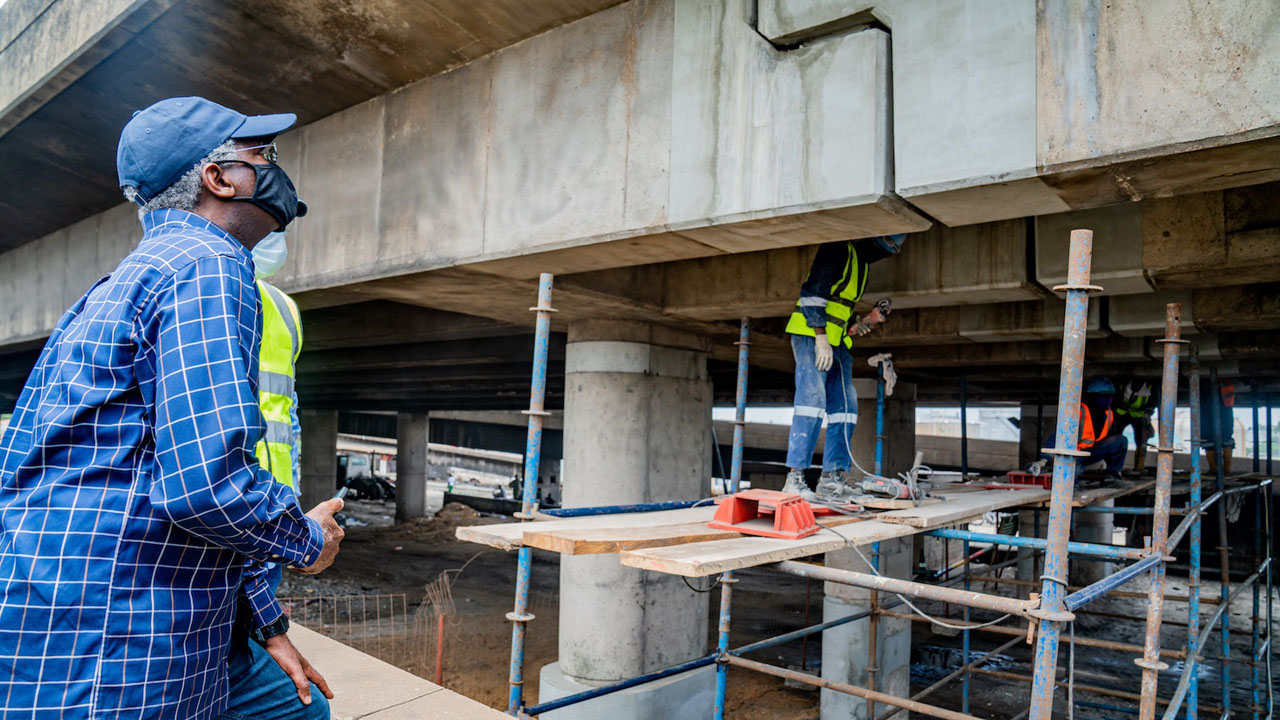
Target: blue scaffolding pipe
(576, 698)
(735, 477)
(520, 615)
(964, 691)
(879, 466)
(1193, 579)
(1086, 595)
(1128, 510)
(1224, 559)
(1052, 613)
(1110, 552)
(619, 509)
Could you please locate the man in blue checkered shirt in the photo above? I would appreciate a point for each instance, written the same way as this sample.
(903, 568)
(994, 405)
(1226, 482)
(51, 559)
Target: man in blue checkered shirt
(130, 499)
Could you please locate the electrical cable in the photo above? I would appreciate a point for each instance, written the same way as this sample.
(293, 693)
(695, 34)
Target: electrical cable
(709, 588)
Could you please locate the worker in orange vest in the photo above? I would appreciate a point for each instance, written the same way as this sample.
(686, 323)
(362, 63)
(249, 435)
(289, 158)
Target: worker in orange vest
(1096, 422)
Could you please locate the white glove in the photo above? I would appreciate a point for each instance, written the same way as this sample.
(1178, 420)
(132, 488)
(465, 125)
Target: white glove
(890, 375)
(1036, 467)
(822, 355)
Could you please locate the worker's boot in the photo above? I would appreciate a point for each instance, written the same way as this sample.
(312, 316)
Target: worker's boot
(1211, 463)
(832, 488)
(797, 486)
(1226, 461)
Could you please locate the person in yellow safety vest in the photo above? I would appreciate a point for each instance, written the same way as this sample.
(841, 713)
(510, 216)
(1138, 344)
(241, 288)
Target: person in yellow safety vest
(1137, 402)
(248, 666)
(821, 327)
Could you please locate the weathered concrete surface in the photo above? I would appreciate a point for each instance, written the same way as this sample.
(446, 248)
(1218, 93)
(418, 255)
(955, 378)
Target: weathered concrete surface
(412, 436)
(319, 456)
(1117, 247)
(637, 428)
(845, 648)
(1115, 78)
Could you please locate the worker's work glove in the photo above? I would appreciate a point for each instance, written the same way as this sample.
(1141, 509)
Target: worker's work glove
(822, 355)
(885, 362)
(333, 534)
(879, 313)
(1038, 467)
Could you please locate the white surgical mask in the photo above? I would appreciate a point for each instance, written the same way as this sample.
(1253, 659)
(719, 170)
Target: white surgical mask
(269, 255)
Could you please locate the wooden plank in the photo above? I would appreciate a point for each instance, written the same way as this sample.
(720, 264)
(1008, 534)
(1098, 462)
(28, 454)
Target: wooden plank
(875, 503)
(717, 556)
(509, 536)
(618, 539)
(1097, 495)
(963, 506)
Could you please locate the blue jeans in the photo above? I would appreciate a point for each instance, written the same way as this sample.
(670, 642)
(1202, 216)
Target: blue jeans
(260, 690)
(819, 395)
(1109, 450)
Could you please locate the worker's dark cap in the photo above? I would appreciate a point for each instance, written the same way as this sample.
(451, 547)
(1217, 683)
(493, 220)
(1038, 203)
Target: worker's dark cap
(163, 142)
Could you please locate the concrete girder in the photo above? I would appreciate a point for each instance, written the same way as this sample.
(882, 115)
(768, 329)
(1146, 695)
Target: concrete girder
(381, 322)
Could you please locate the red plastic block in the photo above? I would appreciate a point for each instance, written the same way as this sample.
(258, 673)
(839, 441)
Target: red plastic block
(748, 513)
(1043, 480)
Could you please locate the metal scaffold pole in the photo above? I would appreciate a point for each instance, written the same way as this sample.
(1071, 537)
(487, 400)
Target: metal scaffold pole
(1052, 613)
(735, 477)
(1224, 553)
(1193, 580)
(520, 615)
(1150, 661)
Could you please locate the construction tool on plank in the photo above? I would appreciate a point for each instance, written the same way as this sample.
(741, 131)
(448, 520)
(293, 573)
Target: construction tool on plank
(770, 513)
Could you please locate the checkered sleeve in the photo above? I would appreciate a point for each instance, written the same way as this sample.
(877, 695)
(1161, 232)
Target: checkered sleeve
(261, 598)
(207, 481)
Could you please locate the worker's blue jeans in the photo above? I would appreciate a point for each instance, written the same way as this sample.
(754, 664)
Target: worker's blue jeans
(1110, 450)
(819, 395)
(260, 690)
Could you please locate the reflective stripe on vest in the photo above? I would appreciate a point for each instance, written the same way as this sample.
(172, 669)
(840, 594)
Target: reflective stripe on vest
(281, 343)
(841, 297)
(1087, 435)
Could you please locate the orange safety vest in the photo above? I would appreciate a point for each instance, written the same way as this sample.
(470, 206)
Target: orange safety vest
(1087, 436)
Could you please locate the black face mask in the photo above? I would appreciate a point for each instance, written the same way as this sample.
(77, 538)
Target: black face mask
(273, 191)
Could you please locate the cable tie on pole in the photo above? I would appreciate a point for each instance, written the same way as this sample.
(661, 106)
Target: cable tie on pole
(1085, 288)
(541, 308)
(520, 617)
(539, 413)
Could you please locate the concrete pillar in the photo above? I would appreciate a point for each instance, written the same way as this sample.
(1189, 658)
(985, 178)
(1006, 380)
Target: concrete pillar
(845, 648)
(1029, 564)
(636, 429)
(411, 466)
(1028, 450)
(1097, 528)
(319, 456)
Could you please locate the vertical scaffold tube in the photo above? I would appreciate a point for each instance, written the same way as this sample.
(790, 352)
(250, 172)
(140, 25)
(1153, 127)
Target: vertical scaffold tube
(1224, 553)
(520, 616)
(1193, 579)
(1150, 661)
(880, 419)
(1259, 497)
(735, 477)
(964, 429)
(1052, 613)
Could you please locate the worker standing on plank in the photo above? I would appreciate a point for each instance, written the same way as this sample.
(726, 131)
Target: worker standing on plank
(249, 666)
(1097, 418)
(1136, 404)
(130, 496)
(821, 327)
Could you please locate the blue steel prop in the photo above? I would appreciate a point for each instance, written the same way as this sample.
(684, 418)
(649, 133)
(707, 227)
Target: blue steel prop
(1257, 456)
(964, 429)
(535, 710)
(1112, 552)
(1257, 560)
(873, 630)
(880, 419)
(1088, 594)
(1193, 579)
(964, 692)
(1052, 614)
(620, 509)
(1150, 661)
(727, 579)
(1224, 558)
(1128, 510)
(520, 616)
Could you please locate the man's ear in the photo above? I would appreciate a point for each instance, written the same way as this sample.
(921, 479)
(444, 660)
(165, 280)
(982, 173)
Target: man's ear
(216, 183)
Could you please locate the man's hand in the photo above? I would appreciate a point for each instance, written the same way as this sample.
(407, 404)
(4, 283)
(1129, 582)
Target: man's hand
(822, 356)
(281, 649)
(333, 534)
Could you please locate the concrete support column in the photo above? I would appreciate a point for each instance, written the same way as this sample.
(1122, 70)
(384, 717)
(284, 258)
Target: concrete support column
(1097, 528)
(411, 466)
(636, 429)
(1028, 450)
(845, 648)
(1028, 565)
(319, 456)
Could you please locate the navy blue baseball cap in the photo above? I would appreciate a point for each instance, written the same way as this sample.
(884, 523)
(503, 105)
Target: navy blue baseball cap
(160, 144)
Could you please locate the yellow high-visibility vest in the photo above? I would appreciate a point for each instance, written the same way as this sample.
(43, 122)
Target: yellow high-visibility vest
(839, 302)
(281, 344)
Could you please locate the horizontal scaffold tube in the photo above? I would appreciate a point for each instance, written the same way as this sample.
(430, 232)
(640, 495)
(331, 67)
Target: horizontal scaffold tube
(1111, 552)
(906, 587)
(912, 705)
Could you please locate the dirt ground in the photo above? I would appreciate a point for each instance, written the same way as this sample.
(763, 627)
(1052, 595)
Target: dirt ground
(381, 558)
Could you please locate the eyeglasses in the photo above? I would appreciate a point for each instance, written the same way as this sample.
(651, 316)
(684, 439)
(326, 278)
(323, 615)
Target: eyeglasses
(269, 151)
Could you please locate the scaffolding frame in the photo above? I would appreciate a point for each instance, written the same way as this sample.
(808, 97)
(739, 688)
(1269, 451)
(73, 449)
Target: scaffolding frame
(1046, 614)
